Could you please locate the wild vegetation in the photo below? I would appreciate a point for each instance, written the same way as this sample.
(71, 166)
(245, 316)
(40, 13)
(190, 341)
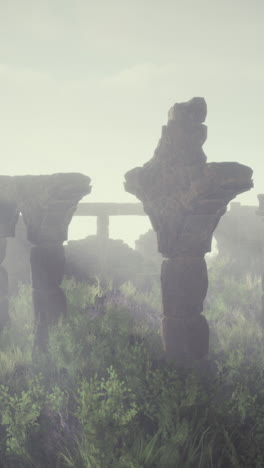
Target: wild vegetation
(103, 396)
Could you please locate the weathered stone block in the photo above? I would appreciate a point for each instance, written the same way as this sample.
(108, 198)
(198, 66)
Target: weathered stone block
(47, 203)
(187, 139)
(198, 336)
(197, 233)
(184, 198)
(192, 111)
(49, 306)
(47, 266)
(17, 258)
(184, 284)
(8, 218)
(175, 337)
(8, 206)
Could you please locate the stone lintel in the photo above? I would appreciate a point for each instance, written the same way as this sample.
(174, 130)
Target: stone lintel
(110, 209)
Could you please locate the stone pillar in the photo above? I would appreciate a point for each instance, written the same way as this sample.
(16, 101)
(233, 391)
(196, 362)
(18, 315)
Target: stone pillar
(103, 226)
(102, 238)
(47, 204)
(17, 261)
(185, 197)
(47, 267)
(8, 219)
(184, 284)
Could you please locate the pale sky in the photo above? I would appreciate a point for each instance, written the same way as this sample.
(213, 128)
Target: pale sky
(86, 86)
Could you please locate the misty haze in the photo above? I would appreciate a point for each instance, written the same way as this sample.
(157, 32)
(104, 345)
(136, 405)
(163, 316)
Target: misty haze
(131, 234)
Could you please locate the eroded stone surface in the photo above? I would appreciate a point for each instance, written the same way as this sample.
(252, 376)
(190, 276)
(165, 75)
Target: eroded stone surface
(47, 217)
(185, 197)
(49, 305)
(47, 266)
(17, 258)
(184, 283)
(47, 204)
(182, 194)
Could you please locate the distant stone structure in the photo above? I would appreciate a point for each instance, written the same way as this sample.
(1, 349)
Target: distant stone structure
(238, 235)
(239, 238)
(121, 262)
(47, 204)
(103, 212)
(185, 198)
(94, 255)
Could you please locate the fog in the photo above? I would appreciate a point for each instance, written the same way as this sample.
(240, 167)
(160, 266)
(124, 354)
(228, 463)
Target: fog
(109, 356)
(86, 87)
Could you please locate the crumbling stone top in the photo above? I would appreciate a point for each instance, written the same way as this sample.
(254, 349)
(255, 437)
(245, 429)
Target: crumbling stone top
(47, 203)
(182, 194)
(191, 112)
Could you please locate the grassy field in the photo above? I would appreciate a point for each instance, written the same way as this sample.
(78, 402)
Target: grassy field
(104, 397)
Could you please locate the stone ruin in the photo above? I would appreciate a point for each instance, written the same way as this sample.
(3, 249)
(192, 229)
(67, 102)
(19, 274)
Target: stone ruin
(82, 261)
(96, 256)
(121, 262)
(239, 238)
(47, 204)
(17, 258)
(185, 197)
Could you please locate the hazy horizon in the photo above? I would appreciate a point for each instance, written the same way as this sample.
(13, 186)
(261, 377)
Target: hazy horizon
(86, 87)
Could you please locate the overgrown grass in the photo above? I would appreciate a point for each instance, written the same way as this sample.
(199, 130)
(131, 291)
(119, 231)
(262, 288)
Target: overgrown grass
(104, 397)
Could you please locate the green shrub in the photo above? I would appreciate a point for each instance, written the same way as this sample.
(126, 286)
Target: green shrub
(104, 376)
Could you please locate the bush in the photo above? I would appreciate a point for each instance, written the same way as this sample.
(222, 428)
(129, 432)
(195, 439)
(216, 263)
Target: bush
(103, 395)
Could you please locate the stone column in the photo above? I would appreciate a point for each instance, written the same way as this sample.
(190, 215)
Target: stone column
(47, 267)
(47, 204)
(185, 197)
(17, 261)
(8, 218)
(184, 284)
(103, 226)
(102, 239)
